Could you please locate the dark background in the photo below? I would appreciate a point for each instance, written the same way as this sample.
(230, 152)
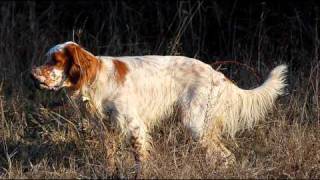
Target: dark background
(207, 28)
(254, 35)
(243, 39)
(258, 33)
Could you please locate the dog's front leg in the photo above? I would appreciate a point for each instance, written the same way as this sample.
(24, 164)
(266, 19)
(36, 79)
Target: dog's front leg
(139, 140)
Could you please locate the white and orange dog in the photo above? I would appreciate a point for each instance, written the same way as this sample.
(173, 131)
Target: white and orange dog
(142, 90)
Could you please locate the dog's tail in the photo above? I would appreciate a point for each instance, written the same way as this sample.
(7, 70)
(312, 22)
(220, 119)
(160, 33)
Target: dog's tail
(241, 109)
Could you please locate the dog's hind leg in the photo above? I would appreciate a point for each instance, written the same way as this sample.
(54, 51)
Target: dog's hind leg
(193, 109)
(195, 115)
(216, 152)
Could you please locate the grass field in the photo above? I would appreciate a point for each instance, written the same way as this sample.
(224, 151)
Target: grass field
(40, 140)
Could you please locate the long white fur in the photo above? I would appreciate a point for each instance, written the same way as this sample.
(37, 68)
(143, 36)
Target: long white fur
(240, 109)
(155, 85)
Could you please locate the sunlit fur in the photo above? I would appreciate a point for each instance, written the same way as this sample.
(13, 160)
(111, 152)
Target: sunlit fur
(155, 84)
(240, 109)
(139, 91)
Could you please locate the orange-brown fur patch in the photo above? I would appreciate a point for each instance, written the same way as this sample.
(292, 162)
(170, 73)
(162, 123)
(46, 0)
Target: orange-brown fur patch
(60, 60)
(84, 66)
(121, 70)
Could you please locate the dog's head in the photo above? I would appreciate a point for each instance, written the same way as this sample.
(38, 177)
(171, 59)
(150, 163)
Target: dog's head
(67, 65)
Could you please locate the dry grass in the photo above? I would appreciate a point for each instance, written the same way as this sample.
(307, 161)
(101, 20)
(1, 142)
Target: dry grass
(39, 141)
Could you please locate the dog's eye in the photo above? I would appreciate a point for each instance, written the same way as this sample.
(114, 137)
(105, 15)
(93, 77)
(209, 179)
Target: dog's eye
(57, 60)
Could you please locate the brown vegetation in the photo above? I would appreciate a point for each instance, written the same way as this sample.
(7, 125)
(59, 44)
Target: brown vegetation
(41, 140)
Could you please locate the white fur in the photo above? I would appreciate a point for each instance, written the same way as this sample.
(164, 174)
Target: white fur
(156, 85)
(59, 47)
(240, 109)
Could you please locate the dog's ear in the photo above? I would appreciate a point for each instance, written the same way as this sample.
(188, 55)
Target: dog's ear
(83, 65)
(76, 61)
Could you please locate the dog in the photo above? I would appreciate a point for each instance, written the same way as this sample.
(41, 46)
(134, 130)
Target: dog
(140, 91)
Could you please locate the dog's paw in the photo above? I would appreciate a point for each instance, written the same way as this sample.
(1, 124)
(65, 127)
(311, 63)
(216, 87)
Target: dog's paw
(220, 158)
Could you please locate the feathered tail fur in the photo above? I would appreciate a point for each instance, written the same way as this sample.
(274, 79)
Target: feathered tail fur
(240, 109)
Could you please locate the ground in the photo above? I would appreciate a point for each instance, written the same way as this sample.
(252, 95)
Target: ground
(41, 139)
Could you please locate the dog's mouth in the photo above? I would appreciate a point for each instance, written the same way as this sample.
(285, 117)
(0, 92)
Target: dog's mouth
(41, 85)
(51, 88)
